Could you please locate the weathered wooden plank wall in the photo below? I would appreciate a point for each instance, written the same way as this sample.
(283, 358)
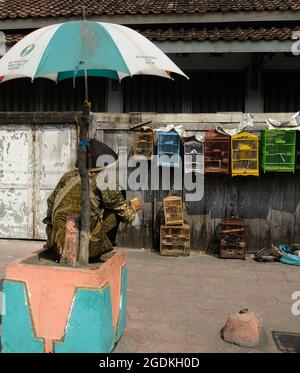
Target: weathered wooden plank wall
(270, 203)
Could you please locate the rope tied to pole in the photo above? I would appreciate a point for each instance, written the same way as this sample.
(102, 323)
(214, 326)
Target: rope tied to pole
(84, 145)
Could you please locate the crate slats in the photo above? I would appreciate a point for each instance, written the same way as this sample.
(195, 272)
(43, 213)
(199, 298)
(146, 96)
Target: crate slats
(175, 240)
(233, 238)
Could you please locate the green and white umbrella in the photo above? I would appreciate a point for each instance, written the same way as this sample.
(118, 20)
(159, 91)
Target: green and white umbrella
(85, 48)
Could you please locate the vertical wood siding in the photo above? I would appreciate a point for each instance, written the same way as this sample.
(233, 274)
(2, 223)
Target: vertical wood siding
(33, 157)
(205, 92)
(281, 91)
(44, 95)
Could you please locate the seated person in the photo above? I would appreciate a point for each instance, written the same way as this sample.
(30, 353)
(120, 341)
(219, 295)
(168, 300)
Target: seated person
(108, 208)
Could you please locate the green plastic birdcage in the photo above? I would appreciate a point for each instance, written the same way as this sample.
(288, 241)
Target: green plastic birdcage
(278, 151)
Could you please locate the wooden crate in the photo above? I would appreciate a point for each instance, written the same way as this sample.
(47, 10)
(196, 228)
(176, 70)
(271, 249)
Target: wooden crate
(216, 154)
(173, 210)
(233, 238)
(175, 240)
(143, 144)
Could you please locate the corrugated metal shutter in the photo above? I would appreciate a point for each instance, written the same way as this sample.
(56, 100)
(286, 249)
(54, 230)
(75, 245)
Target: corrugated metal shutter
(281, 91)
(44, 95)
(205, 92)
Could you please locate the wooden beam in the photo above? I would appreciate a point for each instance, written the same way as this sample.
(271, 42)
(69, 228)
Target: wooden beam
(126, 121)
(113, 121)
(235, 46)
(154, 19)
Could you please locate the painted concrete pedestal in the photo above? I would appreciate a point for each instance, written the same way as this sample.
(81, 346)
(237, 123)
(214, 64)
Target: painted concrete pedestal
(64, 309)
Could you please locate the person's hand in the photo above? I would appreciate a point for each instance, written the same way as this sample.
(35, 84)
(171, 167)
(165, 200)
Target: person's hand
(137, 204)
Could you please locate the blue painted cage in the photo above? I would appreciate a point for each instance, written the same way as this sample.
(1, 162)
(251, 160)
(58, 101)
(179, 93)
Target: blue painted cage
(168, 149)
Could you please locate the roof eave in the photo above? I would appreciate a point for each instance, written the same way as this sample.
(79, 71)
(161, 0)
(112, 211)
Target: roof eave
(155, 19)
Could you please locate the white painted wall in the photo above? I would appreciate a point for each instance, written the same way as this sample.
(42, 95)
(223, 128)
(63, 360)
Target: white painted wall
(32, 160)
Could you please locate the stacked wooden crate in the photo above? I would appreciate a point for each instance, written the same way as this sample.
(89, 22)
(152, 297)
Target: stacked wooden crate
(233, 238)
(174, 235)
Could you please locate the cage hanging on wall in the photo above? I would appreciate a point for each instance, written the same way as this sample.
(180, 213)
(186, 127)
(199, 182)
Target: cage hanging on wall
(143, 143)
(194, 157)
(278, 151)
(168, 149)
(216, 152)
(297, 150)
(244, 155)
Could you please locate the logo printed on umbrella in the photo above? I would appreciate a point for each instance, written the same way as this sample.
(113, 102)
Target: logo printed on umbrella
(26, 51)
(148, 59)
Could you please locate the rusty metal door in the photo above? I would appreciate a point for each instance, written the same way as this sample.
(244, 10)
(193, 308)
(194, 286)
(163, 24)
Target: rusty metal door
(32, 160)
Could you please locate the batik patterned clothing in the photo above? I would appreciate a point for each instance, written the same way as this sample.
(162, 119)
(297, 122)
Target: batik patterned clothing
(107, 208)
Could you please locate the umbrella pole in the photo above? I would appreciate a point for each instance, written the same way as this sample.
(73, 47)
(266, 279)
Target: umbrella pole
(83, 257)
(86, 90)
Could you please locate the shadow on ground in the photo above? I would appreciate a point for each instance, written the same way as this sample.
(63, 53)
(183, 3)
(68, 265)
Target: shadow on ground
(287, 342)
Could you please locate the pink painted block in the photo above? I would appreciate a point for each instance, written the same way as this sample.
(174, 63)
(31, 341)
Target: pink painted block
(51, 291)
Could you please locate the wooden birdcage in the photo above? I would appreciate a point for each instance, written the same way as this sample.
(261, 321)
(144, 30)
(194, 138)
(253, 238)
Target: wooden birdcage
(175, 240)
(278, 151)
(233, 238)
(194, 157)
(168, 149)
(143, 144)
(244, 155)
(216, 152)
(173, 210)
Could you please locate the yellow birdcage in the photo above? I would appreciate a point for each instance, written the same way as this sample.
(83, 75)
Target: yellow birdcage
(244, 155)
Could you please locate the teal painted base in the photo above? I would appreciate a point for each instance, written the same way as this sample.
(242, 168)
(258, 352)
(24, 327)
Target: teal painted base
(89, 329)
(17, 330)
(123, 306)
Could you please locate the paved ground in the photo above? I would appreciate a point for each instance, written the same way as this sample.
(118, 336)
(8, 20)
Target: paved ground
(180, 304)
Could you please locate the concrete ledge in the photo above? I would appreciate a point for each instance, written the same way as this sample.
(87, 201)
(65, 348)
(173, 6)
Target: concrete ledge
(125, 121)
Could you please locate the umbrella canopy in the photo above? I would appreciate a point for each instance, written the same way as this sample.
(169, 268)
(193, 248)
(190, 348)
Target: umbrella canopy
(85, 48)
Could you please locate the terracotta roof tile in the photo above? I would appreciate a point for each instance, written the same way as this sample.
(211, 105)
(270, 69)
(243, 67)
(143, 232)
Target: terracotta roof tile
(206, 34)
(217, 34)
(56, 8)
